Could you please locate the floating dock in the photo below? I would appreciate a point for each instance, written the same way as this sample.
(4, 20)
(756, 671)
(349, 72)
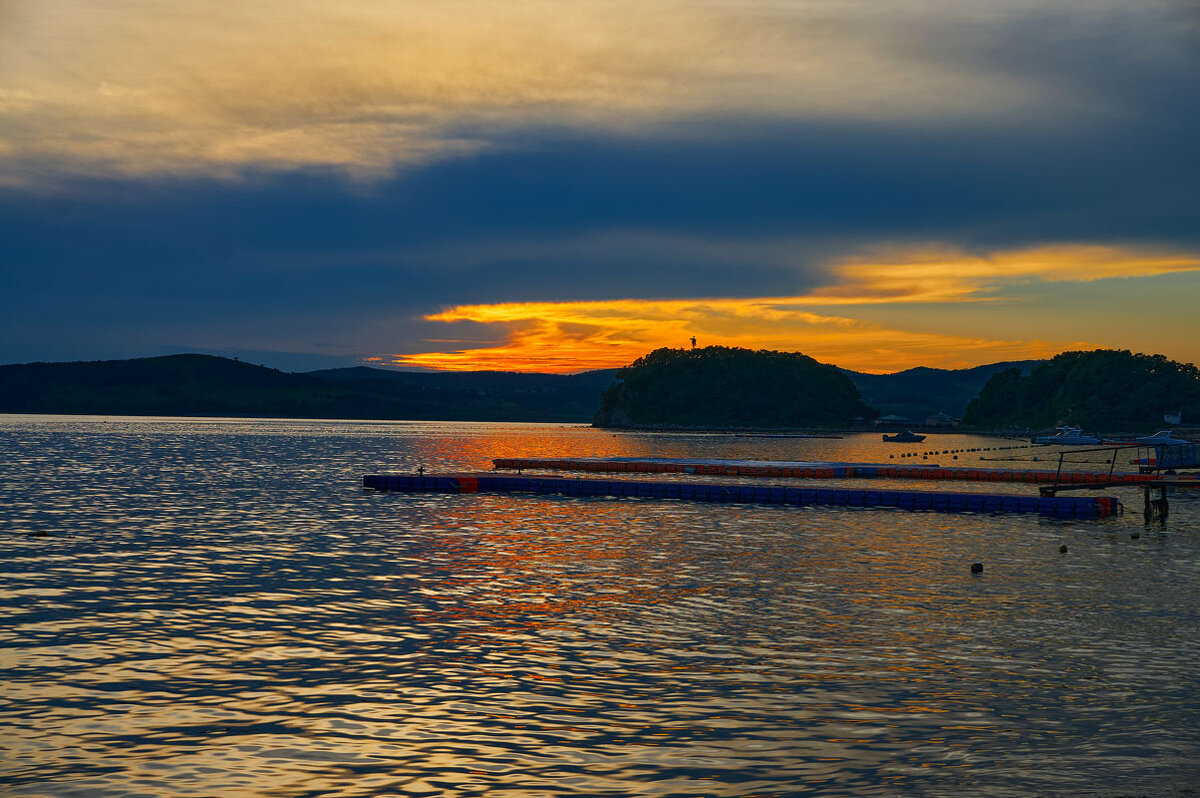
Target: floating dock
(1078, 507)
(818, 470)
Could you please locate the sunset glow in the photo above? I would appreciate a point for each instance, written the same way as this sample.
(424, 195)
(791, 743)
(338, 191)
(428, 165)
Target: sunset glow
(540, 185)
(571, 337)
(575, 336)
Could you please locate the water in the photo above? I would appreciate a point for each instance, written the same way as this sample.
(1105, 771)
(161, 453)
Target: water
(217, 608)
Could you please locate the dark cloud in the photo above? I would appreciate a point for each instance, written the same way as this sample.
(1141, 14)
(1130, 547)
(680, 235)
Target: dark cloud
(742, 208)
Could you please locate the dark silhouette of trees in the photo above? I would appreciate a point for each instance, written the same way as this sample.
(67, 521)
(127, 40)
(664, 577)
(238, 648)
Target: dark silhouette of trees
(1103, 389)
(719, 386)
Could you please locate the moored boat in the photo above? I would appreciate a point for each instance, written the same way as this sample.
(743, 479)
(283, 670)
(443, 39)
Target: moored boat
(1161, 438)
(1068, 436)
(908, 436)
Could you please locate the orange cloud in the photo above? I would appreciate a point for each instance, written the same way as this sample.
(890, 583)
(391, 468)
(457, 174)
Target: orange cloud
(574, 336)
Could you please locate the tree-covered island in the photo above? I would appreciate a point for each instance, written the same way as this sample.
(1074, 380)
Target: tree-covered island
(1110, 390)
(726, 387)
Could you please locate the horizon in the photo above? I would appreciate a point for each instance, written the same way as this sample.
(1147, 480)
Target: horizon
(470, 187)
(429, 370)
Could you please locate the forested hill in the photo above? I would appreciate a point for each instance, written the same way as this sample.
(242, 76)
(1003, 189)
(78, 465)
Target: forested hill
(213, 386)
(767, 389)
(1103, 390)
(727, 387)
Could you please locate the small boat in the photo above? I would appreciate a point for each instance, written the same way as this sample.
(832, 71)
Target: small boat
(1161, 438)
(1068, 436)
(908, 436)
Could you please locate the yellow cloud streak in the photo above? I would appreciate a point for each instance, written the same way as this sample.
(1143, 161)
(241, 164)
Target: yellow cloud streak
(142, 86)
(947, 276)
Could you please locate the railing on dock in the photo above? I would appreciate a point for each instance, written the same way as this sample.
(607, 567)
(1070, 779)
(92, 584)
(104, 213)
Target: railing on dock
(1159, 472)
(1163, 463)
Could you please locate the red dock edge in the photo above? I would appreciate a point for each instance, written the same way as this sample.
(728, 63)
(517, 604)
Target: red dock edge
(823, 471)
(1076, 507)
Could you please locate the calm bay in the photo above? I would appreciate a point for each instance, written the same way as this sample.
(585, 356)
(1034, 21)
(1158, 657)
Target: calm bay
(216, 607)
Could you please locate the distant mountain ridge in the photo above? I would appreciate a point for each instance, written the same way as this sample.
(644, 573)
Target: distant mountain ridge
(920, 392)
(206, 385)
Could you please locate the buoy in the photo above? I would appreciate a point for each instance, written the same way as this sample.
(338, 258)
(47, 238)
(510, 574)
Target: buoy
(1062, 549)
(976, 567)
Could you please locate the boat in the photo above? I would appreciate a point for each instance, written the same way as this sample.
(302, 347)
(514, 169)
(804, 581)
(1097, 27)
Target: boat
(908, 436)
(1161, 438)
(1068, 436)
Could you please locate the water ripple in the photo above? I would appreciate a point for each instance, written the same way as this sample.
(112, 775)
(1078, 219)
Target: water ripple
(214, 607)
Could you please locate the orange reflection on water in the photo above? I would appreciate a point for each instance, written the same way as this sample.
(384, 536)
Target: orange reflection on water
(510, 568)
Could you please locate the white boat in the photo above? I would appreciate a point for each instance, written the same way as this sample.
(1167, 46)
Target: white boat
(1068, 436)
(1161, 438)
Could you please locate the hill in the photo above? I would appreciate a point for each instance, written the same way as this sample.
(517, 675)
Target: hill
(727, 387)
(213, 386)
(1104, 389)
(920, 392)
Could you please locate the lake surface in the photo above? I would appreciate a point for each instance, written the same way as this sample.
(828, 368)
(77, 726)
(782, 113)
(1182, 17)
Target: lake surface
(214, 607)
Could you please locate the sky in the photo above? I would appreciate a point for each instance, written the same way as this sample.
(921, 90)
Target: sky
(553, 186)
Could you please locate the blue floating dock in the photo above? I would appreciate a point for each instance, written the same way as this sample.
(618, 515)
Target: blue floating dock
(1083, 507)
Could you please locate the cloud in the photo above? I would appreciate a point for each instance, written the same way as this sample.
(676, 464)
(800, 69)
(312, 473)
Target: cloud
(845, 217)
(948, 276)
(567, 337)
(142, 88)
(271, 175)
